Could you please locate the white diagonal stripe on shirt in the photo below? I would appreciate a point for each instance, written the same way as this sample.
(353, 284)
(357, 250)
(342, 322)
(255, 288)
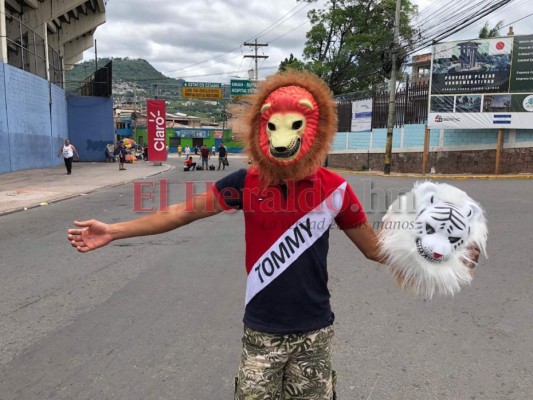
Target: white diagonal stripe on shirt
(293, 242)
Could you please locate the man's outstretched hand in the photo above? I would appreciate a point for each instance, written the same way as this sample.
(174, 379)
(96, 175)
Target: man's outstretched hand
(94, 234)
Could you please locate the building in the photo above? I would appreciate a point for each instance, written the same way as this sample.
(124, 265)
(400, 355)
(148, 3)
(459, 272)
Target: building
(63, 30)
(39, 40)
(421, 68)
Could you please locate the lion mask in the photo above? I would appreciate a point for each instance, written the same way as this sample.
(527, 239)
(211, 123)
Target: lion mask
(292, 120)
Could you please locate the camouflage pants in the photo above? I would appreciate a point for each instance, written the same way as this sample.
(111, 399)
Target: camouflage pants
(283, 367)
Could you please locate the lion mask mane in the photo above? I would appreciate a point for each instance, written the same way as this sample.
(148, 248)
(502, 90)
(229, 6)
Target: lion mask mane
(291, 123)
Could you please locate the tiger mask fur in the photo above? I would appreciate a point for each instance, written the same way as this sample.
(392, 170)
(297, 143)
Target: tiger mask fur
(426, 238)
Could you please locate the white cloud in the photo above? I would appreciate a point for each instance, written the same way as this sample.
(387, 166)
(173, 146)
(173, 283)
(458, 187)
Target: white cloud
(202, 40)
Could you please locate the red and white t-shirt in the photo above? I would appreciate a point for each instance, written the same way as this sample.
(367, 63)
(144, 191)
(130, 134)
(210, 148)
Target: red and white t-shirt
(287, 242)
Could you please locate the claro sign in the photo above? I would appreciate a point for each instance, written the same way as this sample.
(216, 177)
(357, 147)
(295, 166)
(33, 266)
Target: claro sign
(157, 147)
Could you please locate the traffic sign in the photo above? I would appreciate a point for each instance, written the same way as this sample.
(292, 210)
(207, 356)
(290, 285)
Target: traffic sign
(202, 90)
(241, 87)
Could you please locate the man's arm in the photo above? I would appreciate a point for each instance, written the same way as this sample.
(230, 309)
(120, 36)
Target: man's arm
(366, 240)
(95, 234)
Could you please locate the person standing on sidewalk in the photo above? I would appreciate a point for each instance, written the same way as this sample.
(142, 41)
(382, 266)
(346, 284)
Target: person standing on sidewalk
(68, 150)
(204, 153)
(121, 155)
(222, 155)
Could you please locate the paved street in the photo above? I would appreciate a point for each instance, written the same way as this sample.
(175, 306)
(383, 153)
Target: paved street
(160, 317)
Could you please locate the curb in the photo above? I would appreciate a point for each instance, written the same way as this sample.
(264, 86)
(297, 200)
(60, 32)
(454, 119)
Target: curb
(437, 176)
(71, 196)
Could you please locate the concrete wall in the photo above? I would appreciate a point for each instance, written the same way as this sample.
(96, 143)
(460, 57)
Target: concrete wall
(36, 118)
(33, 120)
(91, 125)
(5, 159)
(451, 151)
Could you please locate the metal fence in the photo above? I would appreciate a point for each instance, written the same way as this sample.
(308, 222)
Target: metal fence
(100, 83)
(26, 50)
(411, 107)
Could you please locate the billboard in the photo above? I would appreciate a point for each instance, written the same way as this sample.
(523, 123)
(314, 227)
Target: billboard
(199, 133)
(482, 83)
(156, 129)
(361, 115)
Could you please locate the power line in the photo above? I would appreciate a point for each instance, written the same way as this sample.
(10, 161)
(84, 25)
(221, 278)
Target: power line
(276, 24)
(505, 8)
(505, 26)
(286, 16)
(447, 21)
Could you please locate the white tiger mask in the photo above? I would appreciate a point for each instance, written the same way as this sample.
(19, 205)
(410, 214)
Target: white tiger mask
(441, 226)
(425, 238)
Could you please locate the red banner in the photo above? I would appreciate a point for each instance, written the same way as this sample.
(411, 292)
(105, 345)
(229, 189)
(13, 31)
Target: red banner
(156, 126)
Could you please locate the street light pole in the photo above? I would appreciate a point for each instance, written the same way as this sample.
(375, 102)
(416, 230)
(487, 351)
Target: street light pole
(392, 88)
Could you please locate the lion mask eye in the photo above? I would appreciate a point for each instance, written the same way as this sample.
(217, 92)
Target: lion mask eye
(429, 229)
(297, 125)
(271, 126)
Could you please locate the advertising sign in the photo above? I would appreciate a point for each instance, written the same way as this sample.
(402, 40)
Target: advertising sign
(156, 129)
(361, 115)
(482, 83)
(202, 90)
(199, 133)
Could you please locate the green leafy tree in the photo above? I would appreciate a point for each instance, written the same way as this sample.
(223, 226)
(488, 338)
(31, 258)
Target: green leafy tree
(291, 63)
(486, 32)
(351, 42)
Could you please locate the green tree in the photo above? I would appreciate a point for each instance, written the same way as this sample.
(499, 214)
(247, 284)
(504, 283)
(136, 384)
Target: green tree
(485, 32)
(351, 42)
(291, 63)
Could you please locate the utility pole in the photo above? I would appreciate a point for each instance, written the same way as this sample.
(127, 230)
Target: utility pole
(256, 45)
(392, 96)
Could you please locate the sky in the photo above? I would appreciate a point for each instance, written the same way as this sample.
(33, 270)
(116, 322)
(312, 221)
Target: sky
(203, 40)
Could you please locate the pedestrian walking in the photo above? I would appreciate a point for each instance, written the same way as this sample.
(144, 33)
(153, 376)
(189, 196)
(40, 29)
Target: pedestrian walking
(68, 150)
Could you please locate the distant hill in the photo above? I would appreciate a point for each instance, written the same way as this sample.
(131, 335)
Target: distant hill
(130, 77)
(135, 81)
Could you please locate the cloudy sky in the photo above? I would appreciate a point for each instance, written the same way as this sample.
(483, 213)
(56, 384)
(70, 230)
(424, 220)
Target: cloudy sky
(203, 40)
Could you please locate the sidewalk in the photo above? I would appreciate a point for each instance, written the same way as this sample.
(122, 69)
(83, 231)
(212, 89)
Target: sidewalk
(38, 187)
